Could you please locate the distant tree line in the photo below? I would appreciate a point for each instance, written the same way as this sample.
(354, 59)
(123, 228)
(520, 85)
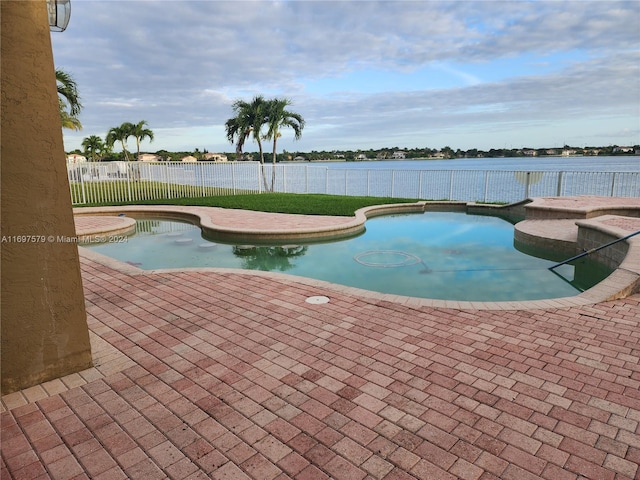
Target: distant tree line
(370, 154)
(446, 152)
(96, 149)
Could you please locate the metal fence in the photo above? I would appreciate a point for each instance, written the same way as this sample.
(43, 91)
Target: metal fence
(116, 182)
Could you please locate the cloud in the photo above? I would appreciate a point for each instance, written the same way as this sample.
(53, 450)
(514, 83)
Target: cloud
(449, 66)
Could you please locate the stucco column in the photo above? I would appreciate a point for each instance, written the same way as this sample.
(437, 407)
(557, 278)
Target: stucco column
(44, 323)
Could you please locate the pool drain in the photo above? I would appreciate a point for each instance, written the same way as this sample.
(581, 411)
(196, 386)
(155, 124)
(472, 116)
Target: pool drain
(387, 259)
(317, 300)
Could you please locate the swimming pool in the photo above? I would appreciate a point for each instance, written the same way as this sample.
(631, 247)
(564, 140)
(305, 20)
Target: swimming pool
(438, 255)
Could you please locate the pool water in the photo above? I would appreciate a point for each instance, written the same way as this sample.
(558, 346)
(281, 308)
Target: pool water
(439, 255)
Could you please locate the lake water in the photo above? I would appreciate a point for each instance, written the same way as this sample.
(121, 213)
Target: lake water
(568, 164)
(477, 179)
(472, 180)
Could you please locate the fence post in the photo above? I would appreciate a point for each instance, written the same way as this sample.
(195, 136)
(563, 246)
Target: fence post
(368, 183)
(326, 180)
(559, 189)
(284, 177)
(346, 182)
(451, 185)
(486, 185)
(526, 185)
(233, 177)
(166, 176)
(420, 185)
(306, 179)
(84, 193)
(201, 167)
(129, 181)
(393, 183)
(613, 185)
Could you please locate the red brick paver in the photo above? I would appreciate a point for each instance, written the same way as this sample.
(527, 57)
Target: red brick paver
(203, 374)
(235, 376)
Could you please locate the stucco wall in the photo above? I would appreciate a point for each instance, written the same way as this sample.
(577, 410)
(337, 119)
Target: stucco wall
(44, 326)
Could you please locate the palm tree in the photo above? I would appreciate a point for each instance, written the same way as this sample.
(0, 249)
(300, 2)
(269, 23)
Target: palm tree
(67, 121)
(120, 134)
(139, 132)
(69, 100)
(278, 116)
(257, 117)
(94, 146)
(238, 133)
(249, 120)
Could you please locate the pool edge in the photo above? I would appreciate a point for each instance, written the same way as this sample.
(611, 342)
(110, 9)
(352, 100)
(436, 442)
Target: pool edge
(623, 281)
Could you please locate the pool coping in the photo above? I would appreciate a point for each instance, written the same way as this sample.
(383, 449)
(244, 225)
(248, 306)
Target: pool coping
(624, 281)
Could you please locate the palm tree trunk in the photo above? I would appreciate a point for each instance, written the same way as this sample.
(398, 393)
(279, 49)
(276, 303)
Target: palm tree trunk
(261, 152)
(124, 149)
(273, 168)
(264, 173)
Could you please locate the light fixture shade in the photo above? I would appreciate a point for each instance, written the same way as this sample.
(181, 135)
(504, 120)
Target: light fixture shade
(59, 14)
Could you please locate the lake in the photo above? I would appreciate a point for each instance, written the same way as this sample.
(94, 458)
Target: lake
(570, 164)
(467, 179)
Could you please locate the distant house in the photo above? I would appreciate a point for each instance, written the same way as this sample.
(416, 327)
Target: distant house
(361, 156)
(214, 157)
(622, 149)
(567, 152)
(399, 155)
(189, 158)
(529, 152)
(74, 159)
(299, 158)
(149, 157)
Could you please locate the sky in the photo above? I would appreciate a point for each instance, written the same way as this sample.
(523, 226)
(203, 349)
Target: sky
(363, 74)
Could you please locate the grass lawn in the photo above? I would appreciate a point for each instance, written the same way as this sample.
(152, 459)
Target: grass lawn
(309, 204)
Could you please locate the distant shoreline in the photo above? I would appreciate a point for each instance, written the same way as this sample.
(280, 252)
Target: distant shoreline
(422, 159)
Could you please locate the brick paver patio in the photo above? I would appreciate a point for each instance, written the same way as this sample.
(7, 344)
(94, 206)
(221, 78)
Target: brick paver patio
(235, 376)
(224, 375)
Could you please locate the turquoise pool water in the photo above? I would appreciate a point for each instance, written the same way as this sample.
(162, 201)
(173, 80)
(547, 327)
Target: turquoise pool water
(439, 255)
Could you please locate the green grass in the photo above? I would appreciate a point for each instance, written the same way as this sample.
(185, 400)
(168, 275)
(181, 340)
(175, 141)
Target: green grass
(309, 204)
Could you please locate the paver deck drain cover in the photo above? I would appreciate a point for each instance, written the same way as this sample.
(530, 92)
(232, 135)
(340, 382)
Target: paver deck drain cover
(317, 300)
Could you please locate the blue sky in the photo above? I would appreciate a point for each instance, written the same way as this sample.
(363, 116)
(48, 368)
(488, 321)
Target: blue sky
(478, 74)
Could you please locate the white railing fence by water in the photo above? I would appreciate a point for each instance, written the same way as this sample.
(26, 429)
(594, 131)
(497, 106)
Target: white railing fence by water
(117, 182)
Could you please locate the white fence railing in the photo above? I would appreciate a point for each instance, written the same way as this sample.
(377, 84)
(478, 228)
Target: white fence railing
(117, 182)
